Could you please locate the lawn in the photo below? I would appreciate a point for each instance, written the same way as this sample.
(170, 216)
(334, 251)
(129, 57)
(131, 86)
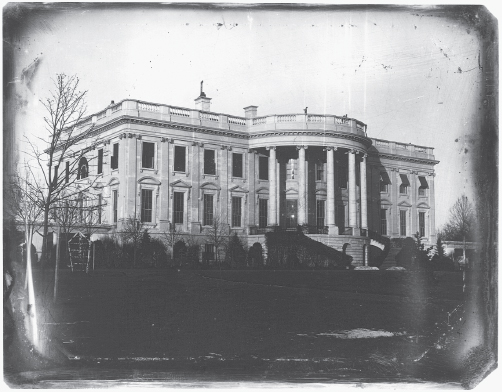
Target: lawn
(262, 323)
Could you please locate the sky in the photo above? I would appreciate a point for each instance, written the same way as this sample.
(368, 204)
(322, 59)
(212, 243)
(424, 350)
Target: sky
(411, 74)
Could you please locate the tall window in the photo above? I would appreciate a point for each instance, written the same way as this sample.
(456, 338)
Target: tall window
(421, 223)
(237, 165)
(178, 207)
(115, 200)
(263, 168)
(67, 172)
(383, 221)
(80, 203)
(148, 155)
(262, 212)
(402, 222)
(100, 161)
(422, 190)
(342, 177)
(405, 183)
(100, 202)
(384, 182)
(320, 212)
(179, 158)
(236, 212)
(83, 169)
(291, 170)
(340, 217)
(114, 164)
(209, 162)
(208, 210)
(319, 171)
(146, 205)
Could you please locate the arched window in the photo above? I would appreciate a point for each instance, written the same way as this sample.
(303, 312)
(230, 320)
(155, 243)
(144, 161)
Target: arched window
(83, 169)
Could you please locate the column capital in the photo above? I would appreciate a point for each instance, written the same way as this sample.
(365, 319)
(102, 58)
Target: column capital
(364, 155)
(271, 147)
(164, 139)
(201, 144)
(300, 147)
(351, 151)
(330, 148)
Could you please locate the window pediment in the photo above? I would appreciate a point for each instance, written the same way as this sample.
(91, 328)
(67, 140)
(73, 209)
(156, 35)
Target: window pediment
(404, 204)
(385, 202)
(210, 186)
(238, 189)
(262, 191)
(113, 181)
(180, 184)
(423, 205)
(147, 180)
(291, 191)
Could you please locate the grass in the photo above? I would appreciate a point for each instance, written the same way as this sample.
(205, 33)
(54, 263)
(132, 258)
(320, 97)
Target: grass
(259, 321)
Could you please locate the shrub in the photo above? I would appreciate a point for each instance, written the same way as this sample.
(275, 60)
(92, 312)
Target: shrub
(413, 256)
(255, 256)
(235, 255)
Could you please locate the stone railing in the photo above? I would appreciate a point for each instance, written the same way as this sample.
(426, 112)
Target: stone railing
(286, 118)
(259, 120)
(316, 118)
(403, 146)
(237, 120)
(179, 112)
(209, 116)
(193, 116)
(148, 107)
(117, 107)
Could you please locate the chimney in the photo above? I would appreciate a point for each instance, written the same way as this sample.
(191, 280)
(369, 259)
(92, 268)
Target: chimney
(251, 111)
(202, 102)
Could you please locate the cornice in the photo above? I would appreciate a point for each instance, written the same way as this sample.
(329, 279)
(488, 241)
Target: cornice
(361, 139)
(213, 131)
(406, 159)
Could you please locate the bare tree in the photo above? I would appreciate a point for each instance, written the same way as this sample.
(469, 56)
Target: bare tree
(132, 232)
(460, 227)
(25, 208)
(61, 160)
(172, 236)
(217, 233)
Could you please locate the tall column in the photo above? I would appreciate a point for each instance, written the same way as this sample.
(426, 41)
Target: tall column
(352, 190)
(330, 182)
(272, 189)
(432, 217)
(302, 194)
(413, 201)
(364, 194)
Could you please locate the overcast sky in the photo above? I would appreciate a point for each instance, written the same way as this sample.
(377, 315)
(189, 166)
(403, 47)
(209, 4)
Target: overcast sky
(411, 75)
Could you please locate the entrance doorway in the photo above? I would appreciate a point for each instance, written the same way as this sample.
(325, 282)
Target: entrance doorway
(291, 213)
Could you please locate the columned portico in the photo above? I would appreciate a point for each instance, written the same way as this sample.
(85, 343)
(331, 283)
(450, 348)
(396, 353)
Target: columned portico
(302, 191)
(330, 191)
(364, 194)
(352, 189)
(272, 179)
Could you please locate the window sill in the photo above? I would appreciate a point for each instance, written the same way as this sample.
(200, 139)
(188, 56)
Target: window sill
(215, 176)
(181, 173)
(149, 169)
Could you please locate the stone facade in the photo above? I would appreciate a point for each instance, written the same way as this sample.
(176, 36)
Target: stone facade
(168, 165)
